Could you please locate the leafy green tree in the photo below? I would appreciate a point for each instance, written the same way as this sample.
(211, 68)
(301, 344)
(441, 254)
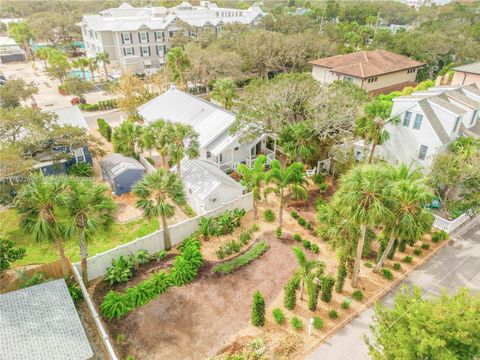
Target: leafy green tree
(22, 33)
(38, 204)
(104, 58)
(15, 90)
(258, 309)
(306, 268)
(131, 93)
(75, 86)
(418, 327)
(157, 194)
(89, 208)
(177, 65)
(292, 178)
(23, 120)
(364, 198)
(58, 65)
(9, 254)
(225, 90)
(183, 141)
(127, 138)
(43, 53)
(251, 178)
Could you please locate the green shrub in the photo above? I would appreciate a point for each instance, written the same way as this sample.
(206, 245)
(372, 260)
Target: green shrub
(115, 305)
(425, 246)
(104, 129)
(141, 293)
(397, 266)
(417, 251)
(407, 259)
(333, 314)
(318, 179)
(313, 290)
(278, 316)
(245, 236)
(290, 294)
(297, 237)
(75, 293)
(258, 309)
(254, 227)
(141, 257)
(296, 323)
(220, 253)
(160, 282)
(392, 251)
(357, 295)
(81, 169)
(317, 323)
(294, 214)
(244, 259)
(387, 274)
(9, 253)
(327, 287)
(25, 281)
(368, 264)
(120, 271)
(269, 215)
(341, 275)
(301, 221)
(161, 255)
(306, 244)
(183, 272)
(345, 304)
(278, 232)
(308, 226)
(315, 249)
(439, 236)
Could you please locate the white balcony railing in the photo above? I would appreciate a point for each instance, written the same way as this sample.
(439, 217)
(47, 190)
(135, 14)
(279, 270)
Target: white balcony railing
(449, 225)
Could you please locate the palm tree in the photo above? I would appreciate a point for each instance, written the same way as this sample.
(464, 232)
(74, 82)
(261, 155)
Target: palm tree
(183, 142)
(410, 220)
(251, 179)
(92, 66)
(104, 58)
(299, 141)
(372, 126)
(38, 203)
(364, 198)
(127, 138)
(157, 194)
(225, 90)
(88, 208)
(306, 268)
(43, 53)
(158, 137)
(292, 178)
(82, 64)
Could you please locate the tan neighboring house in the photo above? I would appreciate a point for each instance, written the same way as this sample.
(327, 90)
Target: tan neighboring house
(467, 74)
(377, 71)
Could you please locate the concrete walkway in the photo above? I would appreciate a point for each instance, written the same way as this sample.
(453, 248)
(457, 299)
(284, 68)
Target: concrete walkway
(456, 265)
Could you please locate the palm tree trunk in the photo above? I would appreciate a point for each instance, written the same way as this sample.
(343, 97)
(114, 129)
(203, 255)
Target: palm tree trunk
(83, 74)
(166, 233)
(164, 161)
(255, 210)
(61, 254)
(93, 75)
(83, 254)
(280, 215)
(106, 73)
(372, 151)
(178, 170)
(379, 265)
(301, 288)
(358, 255)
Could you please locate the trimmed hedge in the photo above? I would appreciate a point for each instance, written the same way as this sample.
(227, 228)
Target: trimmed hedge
(104, 129)
(242, 260)
(258, 309)
(101, 105)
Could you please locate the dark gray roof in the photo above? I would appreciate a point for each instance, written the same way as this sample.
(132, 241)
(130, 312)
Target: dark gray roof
(40, 322)
(117, 163)
(434, 121)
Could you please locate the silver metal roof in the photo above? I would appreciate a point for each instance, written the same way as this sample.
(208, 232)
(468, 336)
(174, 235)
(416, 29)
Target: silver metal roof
(72, 116)
(41, 323)
(473, 68)
(117, 164)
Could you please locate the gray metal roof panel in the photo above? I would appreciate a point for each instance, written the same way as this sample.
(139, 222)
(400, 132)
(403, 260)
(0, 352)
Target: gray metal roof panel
(441, 101)
(434, 121)
(473, 68)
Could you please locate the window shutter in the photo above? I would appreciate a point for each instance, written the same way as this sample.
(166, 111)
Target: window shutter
(123, 40)
(124, 52)
(141, 51)
(131, 38)
(139, 38)
(156, 47)
(149, 52)
(133, 50)
(148, 38)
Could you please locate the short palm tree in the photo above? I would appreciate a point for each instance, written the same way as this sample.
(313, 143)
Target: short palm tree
(183, 142)
(127, 138)
(38, 203)
(157, 194)
(82, 64)
(158, 137)
(104, 58)
(251, 178)
(306, 268)
(364, 198)
(92, 66)
(292, 178)
(225, 91)
(89, 208)
(410, 220)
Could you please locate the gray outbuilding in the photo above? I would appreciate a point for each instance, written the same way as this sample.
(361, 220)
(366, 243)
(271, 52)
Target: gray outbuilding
(121, 172)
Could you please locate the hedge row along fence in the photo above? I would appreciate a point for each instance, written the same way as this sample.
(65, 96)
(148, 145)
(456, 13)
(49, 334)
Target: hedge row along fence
(184, 270)
(101, 105)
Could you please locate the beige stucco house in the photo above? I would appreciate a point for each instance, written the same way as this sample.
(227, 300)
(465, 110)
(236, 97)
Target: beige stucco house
(467, 74)
(376, 71)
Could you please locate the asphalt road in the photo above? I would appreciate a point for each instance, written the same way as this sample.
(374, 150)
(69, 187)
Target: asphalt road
(454, 266)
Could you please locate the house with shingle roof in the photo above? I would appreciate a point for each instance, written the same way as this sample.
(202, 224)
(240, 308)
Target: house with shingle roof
(377, 71)
(429, 121)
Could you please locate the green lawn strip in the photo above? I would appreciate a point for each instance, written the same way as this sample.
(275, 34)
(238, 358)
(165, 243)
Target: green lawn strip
(44, 252)
(254, 253)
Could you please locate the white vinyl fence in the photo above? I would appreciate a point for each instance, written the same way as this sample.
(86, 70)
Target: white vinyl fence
(153, 243)
(447, 225)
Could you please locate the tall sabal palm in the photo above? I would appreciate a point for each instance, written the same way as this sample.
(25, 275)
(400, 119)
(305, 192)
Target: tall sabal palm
(225, 90)
(127, 138)
(89, 208)
(92, 66)
(82, 64)
(38, 203)
(251, 179)
(183, 142)
(372, 126)
(292, 178)
(364, 198)
(158, 137)
(410, 220)
(299, 141)
(306, 268)
(104, 58)
(157, 194)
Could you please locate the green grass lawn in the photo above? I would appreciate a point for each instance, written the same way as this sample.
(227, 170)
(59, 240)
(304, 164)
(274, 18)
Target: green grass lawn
(44, 252)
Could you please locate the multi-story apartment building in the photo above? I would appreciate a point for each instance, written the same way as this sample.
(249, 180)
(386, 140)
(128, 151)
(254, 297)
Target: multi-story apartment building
(137, 39)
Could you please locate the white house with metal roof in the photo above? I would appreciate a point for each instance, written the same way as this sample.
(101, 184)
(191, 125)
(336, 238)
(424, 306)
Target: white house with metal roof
(137, 39)
(429, 121)
(212, 123)
(206, 186)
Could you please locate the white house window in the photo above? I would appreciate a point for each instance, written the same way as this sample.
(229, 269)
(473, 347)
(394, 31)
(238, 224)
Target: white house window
(406, 119)
(143, 36)
(159, 36)
(209, 154)
(128, 51)
(145, 51)
(455, 127)
(170, 34)
(348, 78)
(79, 155)
(160, 49)
(418, 121)
(423, 152)
(126, 38)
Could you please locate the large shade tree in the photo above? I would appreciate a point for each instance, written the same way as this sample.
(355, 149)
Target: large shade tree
(157, 194)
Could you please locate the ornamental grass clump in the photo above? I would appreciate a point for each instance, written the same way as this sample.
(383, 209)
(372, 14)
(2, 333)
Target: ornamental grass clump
(317, 323)
(296, 323)
(341, 275)
(244, 259)
(269, 215)
(278, 316)
(258, 309)
(357, 295)
(407, 259)
(387, 274)
(327, 287)
(290, 294)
